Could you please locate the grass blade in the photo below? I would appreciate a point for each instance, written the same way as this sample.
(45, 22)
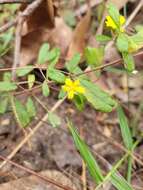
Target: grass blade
(92, 165)
(126, 133)
(127, 138)
(116, 179)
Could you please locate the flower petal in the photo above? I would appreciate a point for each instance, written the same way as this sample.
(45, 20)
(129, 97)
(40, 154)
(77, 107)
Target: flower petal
(110, 23)
(70, 94)
(80, 89)
(65, 88)
(122, 20)
(68, 82)
(76, 83)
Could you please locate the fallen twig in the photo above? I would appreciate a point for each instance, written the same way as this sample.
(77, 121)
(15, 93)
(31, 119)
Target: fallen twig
(46, 179)
(15, 1)
(28, 11)
(17, 46)
(19, 146)
(132, 16)
(88, 70)
(84, 7)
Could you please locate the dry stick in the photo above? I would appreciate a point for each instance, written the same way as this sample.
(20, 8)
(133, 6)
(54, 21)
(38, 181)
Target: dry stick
(17, 118)
(8, 25)
(18, 147)
(46, 179)
(14, 1)
(83, 176)
(28, 11)
(85, 72)
(118, 145)
(134, 13)
(17, 46)
(84, 7)
(106, 65)
(20, 68)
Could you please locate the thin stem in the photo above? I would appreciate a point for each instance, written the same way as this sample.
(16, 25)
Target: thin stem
(129, 170)
(15, 1)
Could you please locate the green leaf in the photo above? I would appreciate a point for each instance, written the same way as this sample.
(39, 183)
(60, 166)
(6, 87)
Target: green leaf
(128, 62)
(43, 53)
(53, 56)
(72, 64)
(114, 13)
(62, 94)
(31, 80)
(7, 76)
(125, 130)
(136, 41)
(56, 75)
(20, 112)
(119, 182)
(7, 37)
(5, 40)
(3, 103)
(45, 89)
(94, 56)
(79, 101)
(30, 108)
(99, 99)
(114, 176)
(116, 179)
(54, 120)
(24, 71)
(6, 86)
(46, 55)
(122, 43)
(103, 38)
(85, 153)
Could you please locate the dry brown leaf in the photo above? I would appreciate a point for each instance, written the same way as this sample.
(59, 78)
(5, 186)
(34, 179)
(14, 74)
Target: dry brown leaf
(43, 16)
(34, 183)
(79, 36)
(50, 10)
(60, 37)
(41, 27)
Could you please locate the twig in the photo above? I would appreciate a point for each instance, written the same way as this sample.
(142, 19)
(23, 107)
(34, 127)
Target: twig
(17, 46)
(18, 147)
(84, 7)
(46, 179)
(136, 10)
(17, 118)
(119, 146)
(28, 11)
(91, 70)
(83, 176)
(113, 169)
(8, 25)
(106, 65)
(15, 1)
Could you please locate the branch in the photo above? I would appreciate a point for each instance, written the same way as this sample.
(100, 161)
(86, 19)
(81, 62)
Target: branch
(28, 11)
(15, 1)
(17, 46)
(19, 146)
(46, 179)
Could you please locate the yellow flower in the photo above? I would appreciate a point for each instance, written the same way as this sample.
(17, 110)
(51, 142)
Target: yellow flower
(110, 23)
(72, 88)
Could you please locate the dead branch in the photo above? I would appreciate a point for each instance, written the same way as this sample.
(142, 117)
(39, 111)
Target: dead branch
(28, 11)
(46, 179)
(17, 46)
(15, 1)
